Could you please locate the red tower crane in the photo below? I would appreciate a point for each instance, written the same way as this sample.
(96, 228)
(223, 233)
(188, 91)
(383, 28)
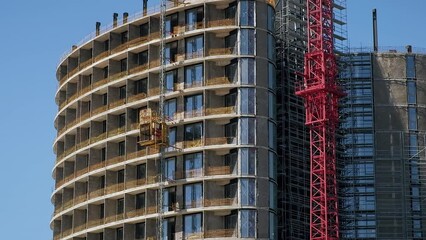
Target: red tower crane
(321, 94)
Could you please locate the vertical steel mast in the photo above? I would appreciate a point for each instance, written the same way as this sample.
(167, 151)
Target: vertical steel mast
(321, 94)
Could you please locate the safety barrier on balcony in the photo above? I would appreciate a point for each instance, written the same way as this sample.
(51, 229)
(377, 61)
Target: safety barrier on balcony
(135, 213)
(86, 63)
(114, 188)
(80, 228)
(74, 71)
(222, 22)
(83, 143)
(85, 116)
(95, 222)
(97, 193)
(137, 41)
(197, 54)
(154, 63)
(193, 173)
(133, 126)
(68, 204)
(218, 81)
(114, 218)
(73, 97)
(98, 138)
(58, 209)
(218, 170)
(151, 210)
(220, 51)
(100, 82)
(85, 90)
(101, 56)
(193, 143)
(117, 76)
(136, 97)
(153, 91)
(116, 131)
(154, 35)
(119, 48)
(216, 141)
(67, 232)
(79, 199)
(218, 202)
(220, 110)
(80, 172)
(219, 233)
(194, 204)
(139, 68)
(152, 179)
(198, 235)
(135, 182)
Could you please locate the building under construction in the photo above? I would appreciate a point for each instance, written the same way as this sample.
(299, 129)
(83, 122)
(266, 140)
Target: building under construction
(167, 129)
(383, 173)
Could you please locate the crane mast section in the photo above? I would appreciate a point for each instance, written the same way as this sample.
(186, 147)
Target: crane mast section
(321, 93)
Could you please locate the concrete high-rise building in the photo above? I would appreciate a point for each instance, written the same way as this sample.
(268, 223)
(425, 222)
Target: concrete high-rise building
(218, 168)
(383, 173)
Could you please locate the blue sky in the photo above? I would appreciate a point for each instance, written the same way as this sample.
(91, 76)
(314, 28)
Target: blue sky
(34, 36)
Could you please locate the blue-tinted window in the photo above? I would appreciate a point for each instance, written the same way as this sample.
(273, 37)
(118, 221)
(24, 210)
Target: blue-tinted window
(271, 19)
(248, 192)
(411, 92)
(271, 47)
(247, 131)
(171, 139)
(412, 118)
(170, 51)
(168, 229)
(248, 99)
(169, 199)
(247, 71)
(247, 42)
(170, 80)
(170, 109)
(248, 160)
(272, 135)
(169, 168)
(192, 224)
(194, 75)
(271, 76)
(171, 21)
(194, 18)
(193, 164)
(272, 195)
(411, 69)
(273, 223)
(272, 109)
(193, 132)
(193, 195)
(194, 105)
(248, 223)
(247, 13)
(194, 47)
(272, 157)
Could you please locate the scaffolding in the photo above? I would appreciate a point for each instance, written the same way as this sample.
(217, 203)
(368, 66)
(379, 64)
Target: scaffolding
(293, 138)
